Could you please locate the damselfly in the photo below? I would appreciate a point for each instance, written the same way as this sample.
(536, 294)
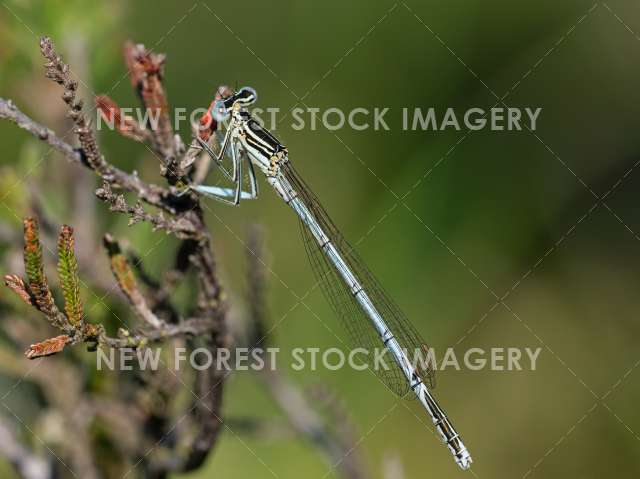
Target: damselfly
(369, 314)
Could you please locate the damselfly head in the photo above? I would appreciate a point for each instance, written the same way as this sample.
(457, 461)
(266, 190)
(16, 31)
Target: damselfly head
(222, 108)
(245, 96)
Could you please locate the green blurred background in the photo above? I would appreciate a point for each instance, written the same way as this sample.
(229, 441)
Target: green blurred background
(487, 214)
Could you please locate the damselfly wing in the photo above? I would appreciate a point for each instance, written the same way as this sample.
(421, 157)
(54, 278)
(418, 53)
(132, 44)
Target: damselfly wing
(344, 303)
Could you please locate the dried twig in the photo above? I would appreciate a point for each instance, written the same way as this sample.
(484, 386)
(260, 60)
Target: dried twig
(127, 282)
(47, 347)
(16, 284)
(190, 327)
(125, 125)
(146, 70)
(182, 227)
(149, 193)
(58, 71)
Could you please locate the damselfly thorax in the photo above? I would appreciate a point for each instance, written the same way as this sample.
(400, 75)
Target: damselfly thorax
(264, 149)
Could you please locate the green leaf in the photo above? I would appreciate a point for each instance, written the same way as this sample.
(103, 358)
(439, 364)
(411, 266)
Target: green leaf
(34, 268)
(68, 271)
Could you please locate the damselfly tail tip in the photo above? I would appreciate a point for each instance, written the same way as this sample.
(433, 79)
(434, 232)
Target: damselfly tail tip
(464, 461)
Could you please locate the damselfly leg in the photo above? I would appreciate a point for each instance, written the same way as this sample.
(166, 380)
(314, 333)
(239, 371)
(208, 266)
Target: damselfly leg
(219, 193)
(217, 158)
(237, 194)
(253, 181)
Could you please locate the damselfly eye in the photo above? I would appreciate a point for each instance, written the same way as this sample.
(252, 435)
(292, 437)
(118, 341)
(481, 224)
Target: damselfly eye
(220, 111)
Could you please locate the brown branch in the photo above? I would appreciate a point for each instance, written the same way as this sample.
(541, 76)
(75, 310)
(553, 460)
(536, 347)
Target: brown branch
(190, 327)
(146, 70)
(152, 194)
(182, 227)
(58, 71)
(128, 285)
(210, 382)
(9, 111)
(124, 124)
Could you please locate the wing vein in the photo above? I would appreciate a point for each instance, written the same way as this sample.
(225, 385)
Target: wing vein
(346, 306)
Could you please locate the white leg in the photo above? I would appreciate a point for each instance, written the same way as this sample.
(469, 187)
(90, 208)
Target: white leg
(222, 194)
(219, 193)
(218, 158)
(237, 170)
(253, 181)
